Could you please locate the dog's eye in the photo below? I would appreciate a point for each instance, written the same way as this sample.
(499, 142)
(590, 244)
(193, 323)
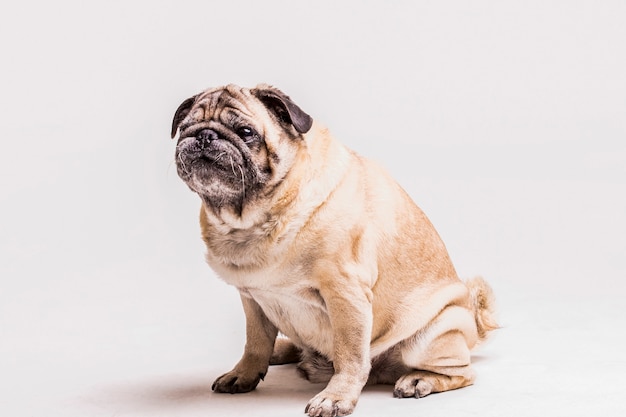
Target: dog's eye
(246, 133)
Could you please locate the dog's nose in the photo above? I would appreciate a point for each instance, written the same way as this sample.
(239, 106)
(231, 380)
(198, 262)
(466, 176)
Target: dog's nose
(205, 136)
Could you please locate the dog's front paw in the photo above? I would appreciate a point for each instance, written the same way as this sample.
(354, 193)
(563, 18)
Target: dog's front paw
(235, 382)
(327, 404)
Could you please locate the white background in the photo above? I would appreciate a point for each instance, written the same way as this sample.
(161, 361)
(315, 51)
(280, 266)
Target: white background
(506, 122)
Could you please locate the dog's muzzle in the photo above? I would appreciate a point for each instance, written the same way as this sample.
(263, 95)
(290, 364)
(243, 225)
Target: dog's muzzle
(196, 145)
(207, 150)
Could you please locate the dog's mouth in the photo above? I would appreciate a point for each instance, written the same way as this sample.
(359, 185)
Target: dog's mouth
(198, 156)
(213, 167)
(218, 168)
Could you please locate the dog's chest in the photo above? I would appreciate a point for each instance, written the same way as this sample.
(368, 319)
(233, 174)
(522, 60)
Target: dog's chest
(284, 290)
(298, 312)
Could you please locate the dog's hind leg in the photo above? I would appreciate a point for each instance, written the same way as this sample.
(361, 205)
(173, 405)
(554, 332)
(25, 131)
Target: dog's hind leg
(285, 352)
(439, 355)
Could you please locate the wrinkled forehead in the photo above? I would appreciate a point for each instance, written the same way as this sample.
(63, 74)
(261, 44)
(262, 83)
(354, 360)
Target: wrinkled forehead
(222, 104)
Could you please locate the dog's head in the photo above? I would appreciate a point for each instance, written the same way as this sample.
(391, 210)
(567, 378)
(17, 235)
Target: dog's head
(236, 145)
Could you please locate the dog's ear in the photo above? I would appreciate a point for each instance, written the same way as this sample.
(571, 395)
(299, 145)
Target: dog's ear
(181, 112)
(281, 105)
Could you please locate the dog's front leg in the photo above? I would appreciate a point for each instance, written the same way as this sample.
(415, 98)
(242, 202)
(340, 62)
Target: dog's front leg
(350, 312)
(260, 337)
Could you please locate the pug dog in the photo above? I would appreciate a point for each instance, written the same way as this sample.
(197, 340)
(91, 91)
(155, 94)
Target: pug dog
(337, 268)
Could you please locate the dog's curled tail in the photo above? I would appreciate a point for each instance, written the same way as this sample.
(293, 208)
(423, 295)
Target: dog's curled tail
(483, 301)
